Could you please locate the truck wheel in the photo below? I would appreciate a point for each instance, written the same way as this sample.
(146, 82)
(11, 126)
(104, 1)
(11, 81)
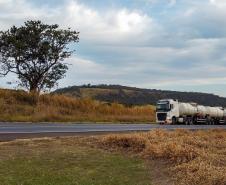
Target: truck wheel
(208, 122)
(194, 121)
(212, 122)
(174, 121)
(186, 122)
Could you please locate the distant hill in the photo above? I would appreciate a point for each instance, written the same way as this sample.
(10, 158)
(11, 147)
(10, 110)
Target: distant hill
(137, 96)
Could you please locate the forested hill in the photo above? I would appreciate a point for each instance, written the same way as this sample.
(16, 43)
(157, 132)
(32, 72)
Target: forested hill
(138, 96)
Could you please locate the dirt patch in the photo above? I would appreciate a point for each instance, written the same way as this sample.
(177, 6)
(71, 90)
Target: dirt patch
(159, 172)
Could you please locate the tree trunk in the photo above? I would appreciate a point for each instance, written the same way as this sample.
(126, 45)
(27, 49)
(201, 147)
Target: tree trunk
(34, 92)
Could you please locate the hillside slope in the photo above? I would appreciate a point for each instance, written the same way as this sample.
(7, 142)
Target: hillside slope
(137, 96)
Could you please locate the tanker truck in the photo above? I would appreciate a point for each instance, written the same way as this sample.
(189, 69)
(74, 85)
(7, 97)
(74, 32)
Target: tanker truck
(170, 111)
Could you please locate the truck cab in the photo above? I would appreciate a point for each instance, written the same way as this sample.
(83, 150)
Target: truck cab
(167, 110)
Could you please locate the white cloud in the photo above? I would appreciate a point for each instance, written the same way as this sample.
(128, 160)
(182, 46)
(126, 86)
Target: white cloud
(128, 46)
(113, 26)
(15, 12)
(81, 65)
(218, 3)
(109, 27)
(172, 2)
(169, 2)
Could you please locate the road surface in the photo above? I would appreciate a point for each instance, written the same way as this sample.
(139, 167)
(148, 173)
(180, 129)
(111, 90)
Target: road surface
(9, 131)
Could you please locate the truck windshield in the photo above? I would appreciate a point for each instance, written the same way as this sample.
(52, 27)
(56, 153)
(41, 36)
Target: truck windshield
(163, 106)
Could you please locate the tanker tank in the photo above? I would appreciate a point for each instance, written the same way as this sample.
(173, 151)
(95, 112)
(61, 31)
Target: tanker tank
(224, 112)
(187, 109)
(216, 112)
(220, 112)
(202, 110)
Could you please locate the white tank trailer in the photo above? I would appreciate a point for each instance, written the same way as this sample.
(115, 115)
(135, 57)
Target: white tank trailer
(169, 111)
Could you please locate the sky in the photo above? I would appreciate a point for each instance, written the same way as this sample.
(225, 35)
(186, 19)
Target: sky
(157, 44)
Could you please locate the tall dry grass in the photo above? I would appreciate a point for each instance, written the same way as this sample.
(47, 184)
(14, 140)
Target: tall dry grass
(19, 106)
(195, 157)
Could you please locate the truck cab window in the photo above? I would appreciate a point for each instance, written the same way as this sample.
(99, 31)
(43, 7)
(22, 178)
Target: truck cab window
(171, 106)
(163, 106)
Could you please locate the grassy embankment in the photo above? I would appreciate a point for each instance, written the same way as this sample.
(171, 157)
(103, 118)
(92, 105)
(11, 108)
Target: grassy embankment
(18, 106)
(67, 161)
(195, 158)
(155, 158)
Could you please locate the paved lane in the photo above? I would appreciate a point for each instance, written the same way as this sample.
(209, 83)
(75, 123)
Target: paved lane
(24, 130)
(81, 128)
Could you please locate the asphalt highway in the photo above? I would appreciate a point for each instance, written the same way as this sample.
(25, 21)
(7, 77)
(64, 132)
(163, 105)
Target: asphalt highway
(9, 131)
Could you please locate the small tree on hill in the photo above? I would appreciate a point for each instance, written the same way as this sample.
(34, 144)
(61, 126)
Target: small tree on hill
(35, 53)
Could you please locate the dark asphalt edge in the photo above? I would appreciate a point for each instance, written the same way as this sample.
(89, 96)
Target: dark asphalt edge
(29, 135)
(77, 123)
(4, 137)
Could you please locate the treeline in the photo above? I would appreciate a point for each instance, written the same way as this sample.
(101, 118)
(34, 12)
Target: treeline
(137, 96)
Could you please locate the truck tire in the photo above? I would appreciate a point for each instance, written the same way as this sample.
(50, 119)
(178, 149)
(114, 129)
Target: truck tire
(212, 121)
(174, 121)
(187, 122)
(208, 121)
(194, 120)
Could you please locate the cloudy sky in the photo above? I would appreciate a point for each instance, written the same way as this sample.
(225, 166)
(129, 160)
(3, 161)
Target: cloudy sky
(161, 44)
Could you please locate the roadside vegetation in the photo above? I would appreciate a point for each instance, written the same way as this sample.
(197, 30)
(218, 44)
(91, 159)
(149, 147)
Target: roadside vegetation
(16, 105)
(194, 157)
(67, 161)
(152, 158)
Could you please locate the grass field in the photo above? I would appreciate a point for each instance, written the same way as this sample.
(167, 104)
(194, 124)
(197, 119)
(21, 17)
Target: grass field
(67, 161)
(194, 157)
(19, 106)
(153, 158)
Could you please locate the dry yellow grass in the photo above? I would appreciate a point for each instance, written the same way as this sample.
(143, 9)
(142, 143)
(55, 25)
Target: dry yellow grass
(18, 106)
(195, 157)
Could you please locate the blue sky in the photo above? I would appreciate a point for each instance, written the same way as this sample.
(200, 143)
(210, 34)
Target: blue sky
(161, 44)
